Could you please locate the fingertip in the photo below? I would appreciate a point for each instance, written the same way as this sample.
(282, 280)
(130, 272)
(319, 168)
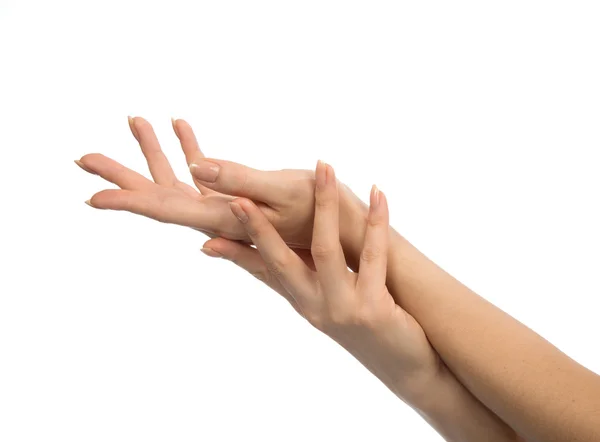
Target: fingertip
(111, 199)
(140, 124)
(375, 195)
(239, 211)
(330, 174)
(94, 202)
(378, 209)
(324, 175)
(131, 121)
(182, 128)
(211, 252)
(383, 204)
(183, 123)
(321, 174)
(246, 203)
(84, 167)
(174, 124)
(90, 157)
(226, 248)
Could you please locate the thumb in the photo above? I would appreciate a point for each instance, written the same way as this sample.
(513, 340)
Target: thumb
(237, 180)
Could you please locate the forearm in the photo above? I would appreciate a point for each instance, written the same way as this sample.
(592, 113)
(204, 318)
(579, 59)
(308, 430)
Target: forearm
(443, 402)
(459, 416)
(525, 380)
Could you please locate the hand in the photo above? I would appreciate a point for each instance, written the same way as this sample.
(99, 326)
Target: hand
(285, 197)
(355, 309)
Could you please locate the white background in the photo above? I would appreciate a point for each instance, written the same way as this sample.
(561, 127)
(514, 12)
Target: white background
(478, 119)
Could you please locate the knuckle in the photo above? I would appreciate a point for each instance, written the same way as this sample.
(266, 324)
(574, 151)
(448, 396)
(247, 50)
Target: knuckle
(318, 321)
(353, 317)
(324, 199)
(243, 182)
(335, 321)
(347, 318)
(256, 228)
(370, 253)
(234, 258)
(262, 275)
(278, 265)
(120, 172)
(375, 220)
(365, 317)
(321, 252)
(303, 189)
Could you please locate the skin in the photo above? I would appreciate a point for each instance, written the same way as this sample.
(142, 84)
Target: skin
(357, 310)
(529, 383)
(536, 389)
(288, 202)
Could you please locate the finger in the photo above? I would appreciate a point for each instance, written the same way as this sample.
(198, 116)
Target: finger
(249, 259)
(373, 259)
(325, 247)
(187, 138)
(159, 166)
(172, 207)
(305, 256)
(114, 172)
(235, 179)
(190, 147)
(281, 261)
(120, 199)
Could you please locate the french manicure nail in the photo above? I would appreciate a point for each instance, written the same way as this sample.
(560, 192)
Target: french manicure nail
(205, 171)
(330, 174)
(89, 203)
(239, 212)
(131, 122)
(375, 196)
(80, 164)
(173, 121)
(321, 174)
(211, 252)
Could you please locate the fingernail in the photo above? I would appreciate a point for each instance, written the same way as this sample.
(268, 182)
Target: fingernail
(173, 121)
(210, 252)
(205, 171)
(330, 174)
(239, 212)
(131, 121)
(80, 164)
(321, 174)
(375, 196)
(89, 203)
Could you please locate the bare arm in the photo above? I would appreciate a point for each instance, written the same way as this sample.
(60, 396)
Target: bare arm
(529, 383)
(357, 310)
(287, 199)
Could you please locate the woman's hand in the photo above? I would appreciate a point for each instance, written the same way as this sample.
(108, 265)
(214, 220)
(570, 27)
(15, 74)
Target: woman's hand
(285, 197)
(355, 309)
(396, 350)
